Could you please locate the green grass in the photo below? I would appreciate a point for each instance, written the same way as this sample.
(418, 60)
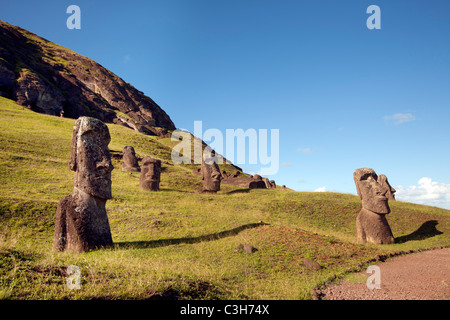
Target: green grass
(176, 243)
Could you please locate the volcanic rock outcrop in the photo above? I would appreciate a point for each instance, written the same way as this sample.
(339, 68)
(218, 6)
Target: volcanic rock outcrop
(240, 180)
(51, 79)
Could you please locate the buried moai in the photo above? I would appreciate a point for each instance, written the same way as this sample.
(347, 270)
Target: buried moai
(211, 175)
(130, 161)
(81, 220)
(371, 223)
(150, 174)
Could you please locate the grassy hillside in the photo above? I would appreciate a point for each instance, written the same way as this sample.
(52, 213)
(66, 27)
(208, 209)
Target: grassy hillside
(176, 243)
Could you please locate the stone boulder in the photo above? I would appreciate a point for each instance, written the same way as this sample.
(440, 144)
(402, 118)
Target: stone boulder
(246, 248)
(311, 264)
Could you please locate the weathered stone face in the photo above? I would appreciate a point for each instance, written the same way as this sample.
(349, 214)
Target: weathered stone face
(371, 192)
(211, 175)
(81, 220)
(150, 174)
(130, 161)
(371, 223)
(90, 158)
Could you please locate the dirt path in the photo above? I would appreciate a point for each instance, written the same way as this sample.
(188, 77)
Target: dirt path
(417, 276)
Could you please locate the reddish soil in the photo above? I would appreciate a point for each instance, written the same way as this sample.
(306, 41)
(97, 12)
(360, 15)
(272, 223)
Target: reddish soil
(417, 276)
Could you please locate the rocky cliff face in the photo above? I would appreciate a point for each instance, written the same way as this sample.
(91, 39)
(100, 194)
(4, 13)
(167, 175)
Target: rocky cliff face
(49, 78)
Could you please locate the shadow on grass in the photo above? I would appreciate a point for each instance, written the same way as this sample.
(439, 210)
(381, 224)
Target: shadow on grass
(168, 242)
(164, 189)
(426, 230)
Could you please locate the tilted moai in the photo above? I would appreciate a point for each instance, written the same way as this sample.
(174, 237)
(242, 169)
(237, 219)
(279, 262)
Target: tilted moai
(150, 174)
(371, 223)
(81, 220)
(211, 175)
(130, 161)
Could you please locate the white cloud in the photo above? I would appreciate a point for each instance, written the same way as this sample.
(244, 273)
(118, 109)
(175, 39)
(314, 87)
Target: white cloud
(399, 118)
(305, 150)
(286, 164)
(321, 189)
(427, 192)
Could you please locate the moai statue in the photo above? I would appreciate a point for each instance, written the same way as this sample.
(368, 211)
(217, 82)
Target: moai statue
(81, 220)
(371, 223)
(211, 175)
(257, 182)
(130, 161)
(150, 174)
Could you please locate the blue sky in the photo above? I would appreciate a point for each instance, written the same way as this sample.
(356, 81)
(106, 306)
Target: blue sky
(341, 95)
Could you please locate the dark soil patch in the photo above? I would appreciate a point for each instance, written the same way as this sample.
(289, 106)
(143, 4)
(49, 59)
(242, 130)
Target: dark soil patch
(194, 290)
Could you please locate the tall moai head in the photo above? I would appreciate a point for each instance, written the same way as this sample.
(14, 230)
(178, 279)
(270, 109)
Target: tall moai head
(150, 174)
(373, 190)
(130, 161)
(90, 157)
(211, 175)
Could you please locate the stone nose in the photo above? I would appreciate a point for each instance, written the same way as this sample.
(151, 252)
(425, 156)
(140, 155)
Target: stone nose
(105, 165)
(216, 175)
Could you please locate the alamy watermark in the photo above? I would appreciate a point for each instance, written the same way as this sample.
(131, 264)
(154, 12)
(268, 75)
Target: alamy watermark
(74, 279)
(74, 20)
(241, 147)
(374, 21)
(374, 280)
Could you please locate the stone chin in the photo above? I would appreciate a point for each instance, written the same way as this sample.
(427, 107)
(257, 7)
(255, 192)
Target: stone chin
(377, 204)
(215, 184)
(99, 187)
